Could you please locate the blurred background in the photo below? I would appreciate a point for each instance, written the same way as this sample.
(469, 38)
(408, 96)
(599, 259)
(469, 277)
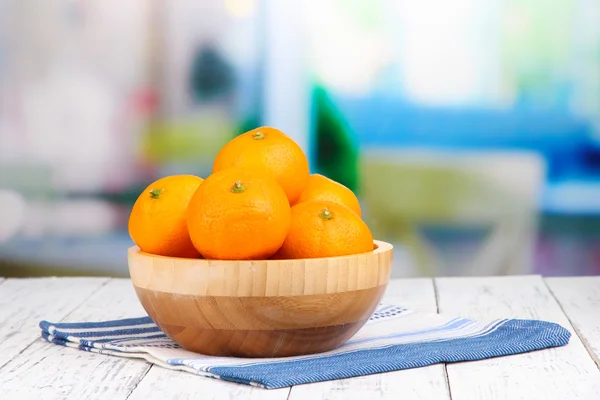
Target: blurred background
(470, 129)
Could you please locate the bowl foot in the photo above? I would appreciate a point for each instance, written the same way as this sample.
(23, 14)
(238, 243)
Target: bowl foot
(275, 326)
(262, 343)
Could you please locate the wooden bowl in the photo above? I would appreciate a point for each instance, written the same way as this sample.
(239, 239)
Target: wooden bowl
(269, 308)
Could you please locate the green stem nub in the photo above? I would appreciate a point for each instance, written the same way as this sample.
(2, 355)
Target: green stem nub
(258, 135)
(238, 187)
(155, 193)
(325, 215)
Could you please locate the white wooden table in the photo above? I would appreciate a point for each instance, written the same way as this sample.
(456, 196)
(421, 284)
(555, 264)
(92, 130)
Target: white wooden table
(31, 368)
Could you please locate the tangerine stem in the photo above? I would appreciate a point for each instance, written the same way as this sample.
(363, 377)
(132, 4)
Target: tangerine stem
(326, 215)
(258, 135)
(238, 187)
(155, 193)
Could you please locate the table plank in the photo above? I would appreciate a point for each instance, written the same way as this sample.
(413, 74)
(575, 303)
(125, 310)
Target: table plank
(560, 373)
(579, 298)
(24, 302)
(161, 383)
(419, 383)
(48, 371)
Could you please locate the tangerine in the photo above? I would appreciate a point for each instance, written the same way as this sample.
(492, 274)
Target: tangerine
(320, 187)
(157, 223)
(325, 229)
(237, 214)
(268, 149)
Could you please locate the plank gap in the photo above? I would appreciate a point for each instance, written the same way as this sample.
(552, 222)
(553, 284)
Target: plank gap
(564, 372)
(72, 372)
(59, 320)
(139, 381)
(428, 382)
(437, 305)
(575, 326)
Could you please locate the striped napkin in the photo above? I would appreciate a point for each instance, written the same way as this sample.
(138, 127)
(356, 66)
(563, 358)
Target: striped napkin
(394, 338)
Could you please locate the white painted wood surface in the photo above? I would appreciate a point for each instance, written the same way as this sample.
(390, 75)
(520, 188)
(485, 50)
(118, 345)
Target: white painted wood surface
(560, 373)
(162, 384)
(30, 368)
(419, 383)
(579, 298)
(47, 371)
(25, 302)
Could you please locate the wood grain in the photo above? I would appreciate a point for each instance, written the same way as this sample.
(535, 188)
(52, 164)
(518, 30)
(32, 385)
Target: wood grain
(270, 308)
(419, 383)
(559, 373)
(50, 372)
(579, 298)
(261, 326)
(163, 384)
(261, 278)
(25, 302)
(54, 372)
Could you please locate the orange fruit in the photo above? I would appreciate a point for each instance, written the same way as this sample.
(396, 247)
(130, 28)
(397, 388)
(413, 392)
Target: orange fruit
(237, 214)
(325, 229)
(157, 223)
(268, 149)
(320, 187)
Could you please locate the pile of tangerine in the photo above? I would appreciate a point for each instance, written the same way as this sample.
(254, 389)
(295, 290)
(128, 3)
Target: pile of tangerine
(260, 202)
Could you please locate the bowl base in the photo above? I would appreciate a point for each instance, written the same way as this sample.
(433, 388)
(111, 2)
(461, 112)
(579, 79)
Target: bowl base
(261, 326)
(266, 343)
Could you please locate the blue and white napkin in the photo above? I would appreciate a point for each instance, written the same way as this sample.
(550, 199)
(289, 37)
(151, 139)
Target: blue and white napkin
(394, 338)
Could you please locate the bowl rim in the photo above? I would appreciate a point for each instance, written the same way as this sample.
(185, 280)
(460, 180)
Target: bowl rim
(379, 247)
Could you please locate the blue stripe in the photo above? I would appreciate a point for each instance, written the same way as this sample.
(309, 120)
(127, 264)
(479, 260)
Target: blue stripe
(452, 324)
(61, 342)
(499, 338)
(457, 322)
(125, 340)
(44, 325)
(120, 332)
(513, 337)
